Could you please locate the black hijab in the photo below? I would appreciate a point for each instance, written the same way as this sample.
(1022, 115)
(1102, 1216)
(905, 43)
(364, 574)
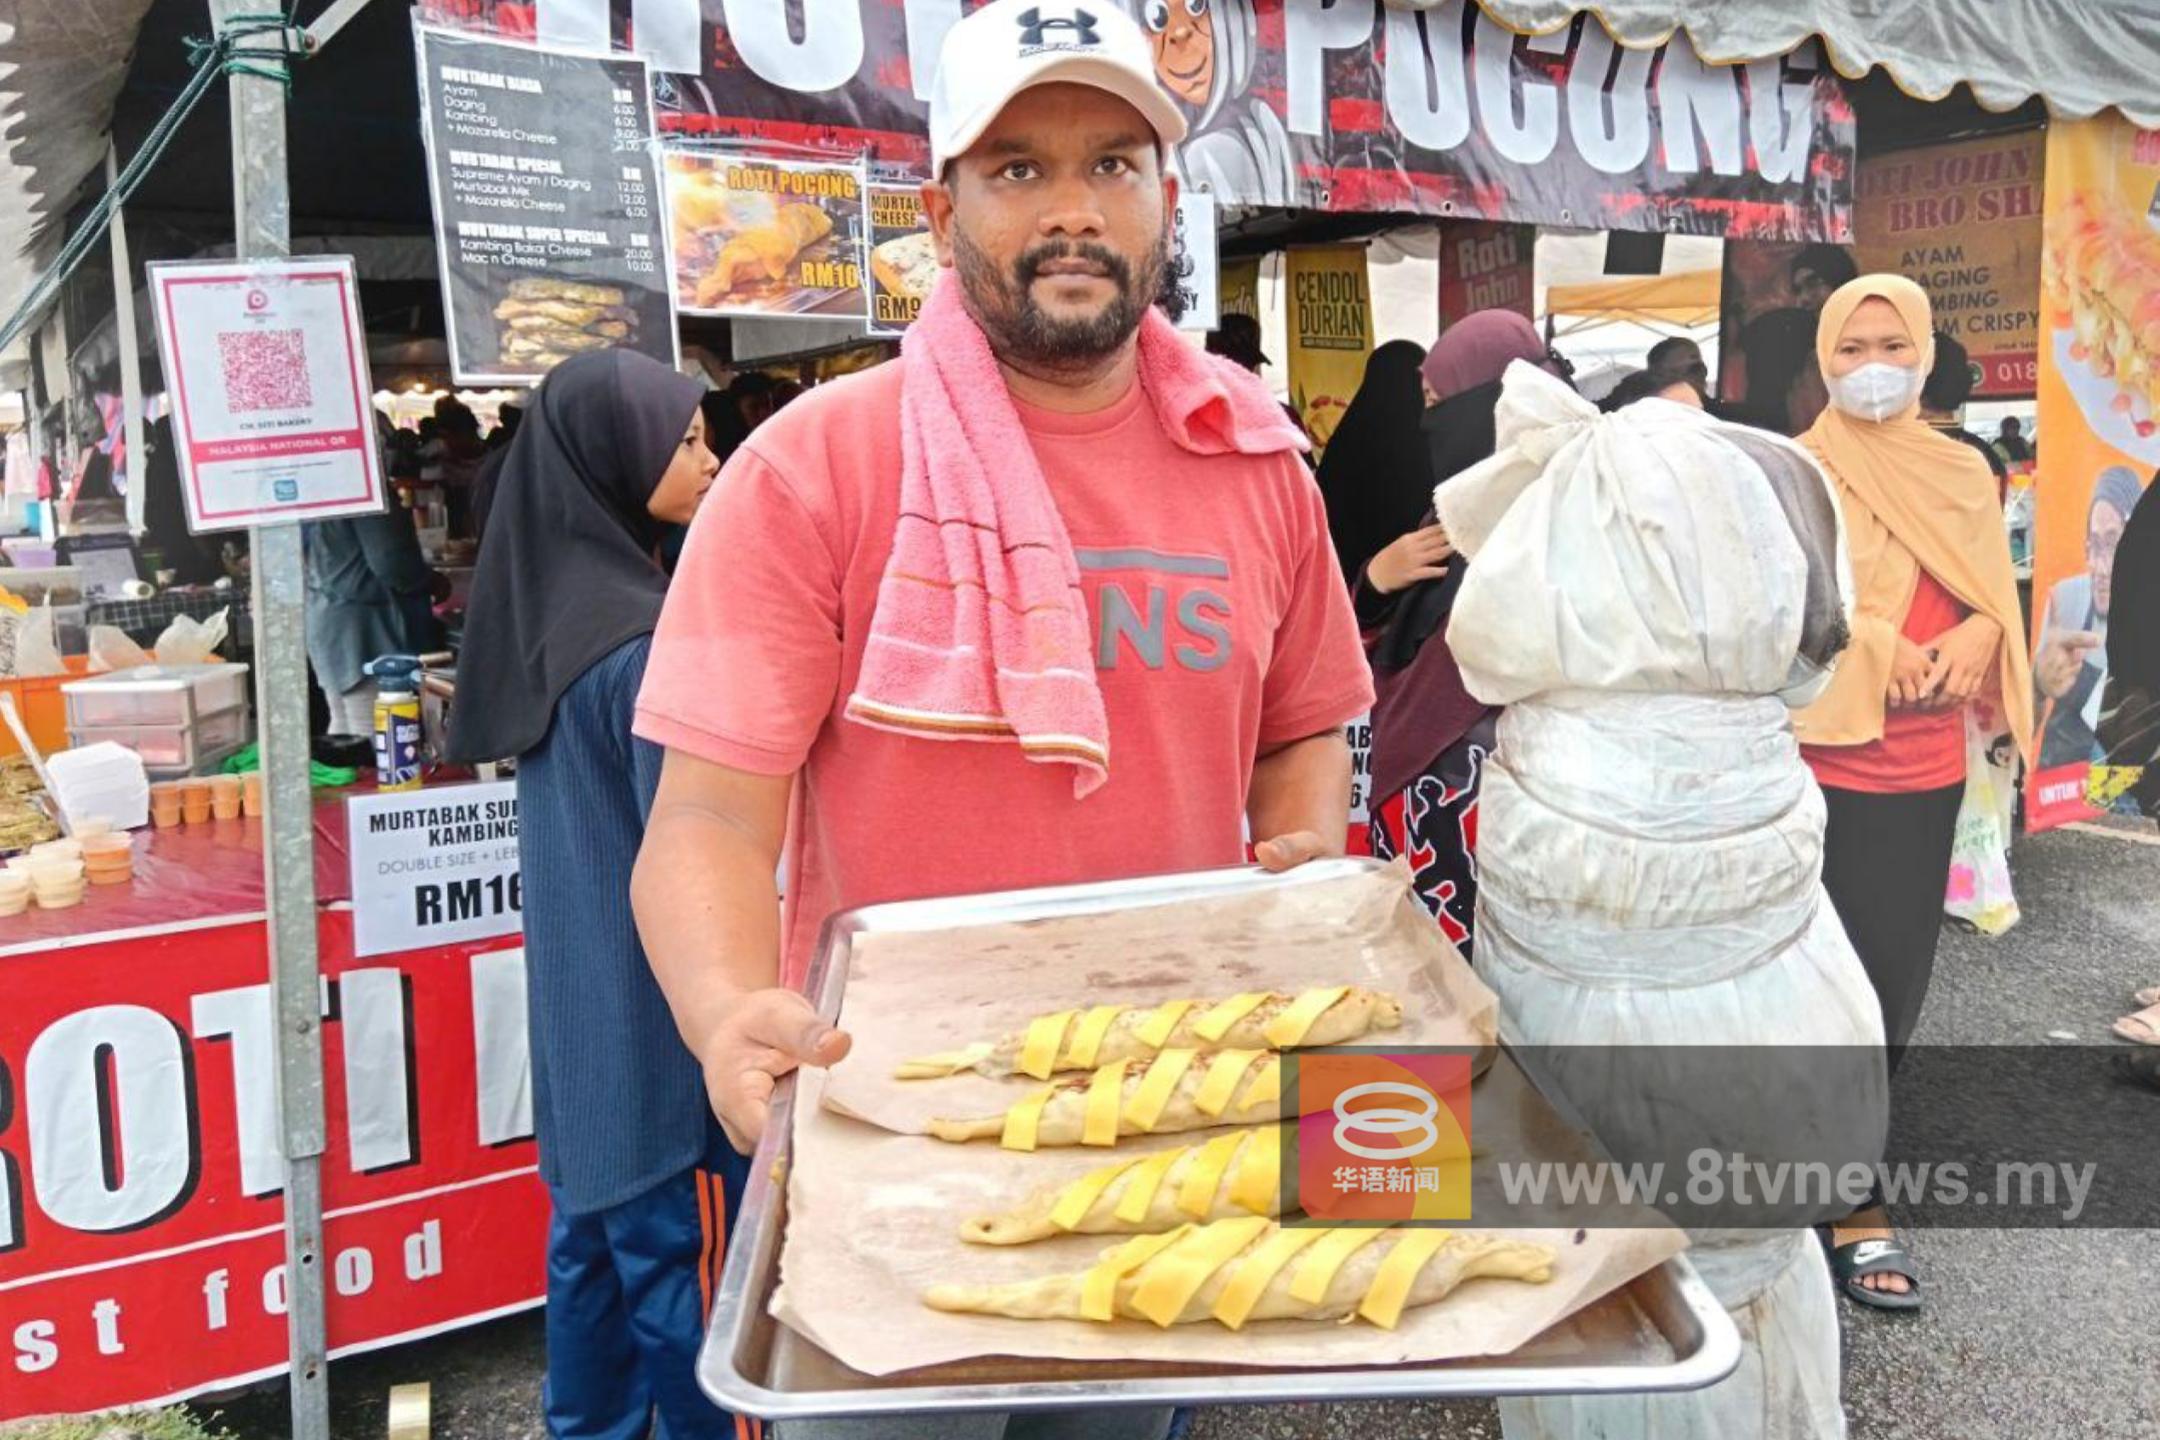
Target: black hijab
(567, 573)
(1375, 476)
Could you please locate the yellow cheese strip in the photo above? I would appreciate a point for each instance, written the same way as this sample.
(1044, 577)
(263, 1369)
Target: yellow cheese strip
(1217, 1022)
(1317, 1270)
(1176, 1275)
(1384, 1299)
(1147, 1178)
(1106, 1089)
(1155, 1088)
(1259, 1173)
(1223, 1074)
(1039, 1051)
(1074, 1202)
(1197, 1195)
(1088, 1036)
(1266, 1087)
(1250, 1280)
(1163, 1019)
(1022, 1121)
(1098, 1288)
(1287, 1030)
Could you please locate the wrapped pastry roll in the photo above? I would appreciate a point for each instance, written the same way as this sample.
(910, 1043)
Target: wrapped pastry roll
(1255, 1020)
(1178, 1090)
(1246, 1269)
(1236, 1174)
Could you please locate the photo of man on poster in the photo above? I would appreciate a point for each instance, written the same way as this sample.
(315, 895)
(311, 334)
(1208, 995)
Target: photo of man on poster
(2070, 665)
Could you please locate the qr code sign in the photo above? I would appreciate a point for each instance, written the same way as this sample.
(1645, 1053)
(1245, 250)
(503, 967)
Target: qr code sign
(264, 369)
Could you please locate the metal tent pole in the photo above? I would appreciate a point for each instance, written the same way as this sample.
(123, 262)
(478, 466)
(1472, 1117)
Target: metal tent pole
(262, 230)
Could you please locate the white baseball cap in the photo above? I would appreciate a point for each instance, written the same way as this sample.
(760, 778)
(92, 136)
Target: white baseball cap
(1011, 45)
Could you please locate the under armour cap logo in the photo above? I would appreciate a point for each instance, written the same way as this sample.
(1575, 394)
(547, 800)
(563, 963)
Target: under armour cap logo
(1033, 27)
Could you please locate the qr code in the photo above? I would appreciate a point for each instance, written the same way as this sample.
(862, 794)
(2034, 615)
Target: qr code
(264, 369)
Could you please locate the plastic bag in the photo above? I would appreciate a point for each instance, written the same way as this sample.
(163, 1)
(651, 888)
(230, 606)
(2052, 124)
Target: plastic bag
(37, 645)
(188, 641)
(1980, 893)
(111, 649)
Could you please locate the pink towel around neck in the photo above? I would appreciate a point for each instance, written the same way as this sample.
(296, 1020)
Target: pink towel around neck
(981, 629)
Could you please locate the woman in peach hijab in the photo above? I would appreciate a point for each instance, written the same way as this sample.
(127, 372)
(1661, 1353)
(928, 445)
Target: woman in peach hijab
(1935, 604)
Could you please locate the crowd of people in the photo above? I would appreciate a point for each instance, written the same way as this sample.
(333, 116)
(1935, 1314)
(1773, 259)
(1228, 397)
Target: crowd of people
(1541, 606)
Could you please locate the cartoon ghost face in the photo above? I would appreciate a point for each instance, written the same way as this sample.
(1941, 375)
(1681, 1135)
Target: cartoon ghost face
(1183, 33)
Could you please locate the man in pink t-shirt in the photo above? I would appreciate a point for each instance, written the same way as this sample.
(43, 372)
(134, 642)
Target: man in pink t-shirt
(1222, 638)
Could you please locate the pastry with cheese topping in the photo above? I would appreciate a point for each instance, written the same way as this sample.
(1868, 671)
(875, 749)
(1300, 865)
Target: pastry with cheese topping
(1237, 1271)
(1104, 1034)
(1239, 1173)
(1179, 1089)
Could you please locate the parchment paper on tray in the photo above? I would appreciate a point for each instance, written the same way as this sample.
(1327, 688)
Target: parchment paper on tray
(874, 1218)
(913, 993)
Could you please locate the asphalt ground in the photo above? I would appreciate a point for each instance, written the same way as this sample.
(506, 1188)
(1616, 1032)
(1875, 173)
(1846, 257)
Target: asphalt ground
(2025, 1335)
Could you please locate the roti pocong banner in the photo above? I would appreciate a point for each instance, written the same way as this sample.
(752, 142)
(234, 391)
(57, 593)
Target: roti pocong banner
(1347, 106)
(2099, 444)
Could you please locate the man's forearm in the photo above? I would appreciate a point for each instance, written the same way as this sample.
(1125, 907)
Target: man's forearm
(708, 913)
(1303, 786)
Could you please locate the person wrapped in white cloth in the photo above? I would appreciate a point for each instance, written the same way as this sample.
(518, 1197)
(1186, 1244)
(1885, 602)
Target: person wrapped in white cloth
(1652, 592)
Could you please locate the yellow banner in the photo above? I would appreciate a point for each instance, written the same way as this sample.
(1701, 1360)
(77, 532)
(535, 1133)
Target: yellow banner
(1963, 222)
(2099, 430)
(1330, 333)
(1239, 287)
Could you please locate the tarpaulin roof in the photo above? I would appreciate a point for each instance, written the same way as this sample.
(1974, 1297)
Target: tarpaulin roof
(1687, 298)
(2081, 56)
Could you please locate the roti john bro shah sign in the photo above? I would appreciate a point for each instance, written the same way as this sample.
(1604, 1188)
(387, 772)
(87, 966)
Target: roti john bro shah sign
(1350, 106)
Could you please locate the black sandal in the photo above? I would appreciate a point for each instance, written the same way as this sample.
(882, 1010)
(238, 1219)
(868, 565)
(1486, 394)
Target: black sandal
(1874, 1257)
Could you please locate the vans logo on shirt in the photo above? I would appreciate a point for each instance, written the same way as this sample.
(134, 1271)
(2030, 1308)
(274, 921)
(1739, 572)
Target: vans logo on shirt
(1160, 621)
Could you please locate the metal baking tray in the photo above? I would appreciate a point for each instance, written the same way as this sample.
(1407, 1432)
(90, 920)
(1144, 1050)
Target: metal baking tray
(1662, 1331)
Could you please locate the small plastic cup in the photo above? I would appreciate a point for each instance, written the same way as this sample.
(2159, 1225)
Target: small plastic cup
(61, 899)
(50, 872)
(14, 893)
(195, 801)
(91, 825)
(225, 796)
(19, 865)
(165, 804)
(251, 793)
(57, 850)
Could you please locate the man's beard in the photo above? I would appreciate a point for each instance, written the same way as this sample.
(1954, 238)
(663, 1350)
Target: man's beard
(1022, 332)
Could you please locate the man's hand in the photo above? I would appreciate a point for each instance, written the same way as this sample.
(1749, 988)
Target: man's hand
(2062, 654)
(766, 1034)
(1287, 852)
(1908, 675)
(1965, 655)
(1414, 557)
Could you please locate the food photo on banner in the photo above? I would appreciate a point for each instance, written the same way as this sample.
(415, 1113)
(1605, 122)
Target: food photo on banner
(757, 236)
(1355, 107)
(547, 205)
(903, 257)
(2099, 421)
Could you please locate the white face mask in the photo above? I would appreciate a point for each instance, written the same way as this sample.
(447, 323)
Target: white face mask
(1876, 391)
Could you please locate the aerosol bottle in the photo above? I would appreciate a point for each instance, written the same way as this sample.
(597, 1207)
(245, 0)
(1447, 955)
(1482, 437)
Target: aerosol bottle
(397, 720)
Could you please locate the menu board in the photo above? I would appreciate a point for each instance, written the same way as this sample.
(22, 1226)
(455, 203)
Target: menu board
(767, 237)
(547, 201)
(903, 257)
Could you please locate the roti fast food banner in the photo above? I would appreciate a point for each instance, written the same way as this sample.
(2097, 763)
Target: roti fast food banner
(1963, 222)
(767, 237)
(1351, 106)
(1330, 333)
(142, 1243)
(2099, 444)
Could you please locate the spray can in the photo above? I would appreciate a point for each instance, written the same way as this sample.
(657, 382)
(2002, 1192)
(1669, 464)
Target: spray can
(397, 721)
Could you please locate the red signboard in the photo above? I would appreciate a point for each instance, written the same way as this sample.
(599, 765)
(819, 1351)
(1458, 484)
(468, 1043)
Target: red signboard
(141, 1222)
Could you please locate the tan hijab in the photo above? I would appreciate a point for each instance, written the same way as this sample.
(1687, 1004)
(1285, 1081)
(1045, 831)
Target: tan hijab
(1912, 498)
